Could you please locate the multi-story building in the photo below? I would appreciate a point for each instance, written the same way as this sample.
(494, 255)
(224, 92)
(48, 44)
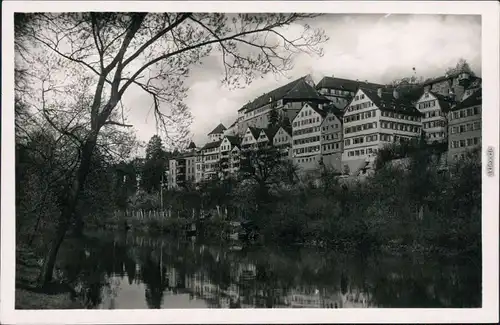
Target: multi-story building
(450, 84)
(306, 137)
(340, 91)
(434, 108)
(465, 126)
(283, 141)
(172, 174)
(190, 159)
(211, 159)
(230, 155)
(182, 169)
(250, 137)
(332, 138)
(232, 130)
(199, 166)
(374, 119)
(266, 137)
(217, 133)
(287, 100)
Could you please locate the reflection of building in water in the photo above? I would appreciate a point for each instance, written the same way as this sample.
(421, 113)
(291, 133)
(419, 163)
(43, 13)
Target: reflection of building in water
(245, 272)
(172, 276)
(355, 299)
(304, 297)
(312, 297)
(331, 300)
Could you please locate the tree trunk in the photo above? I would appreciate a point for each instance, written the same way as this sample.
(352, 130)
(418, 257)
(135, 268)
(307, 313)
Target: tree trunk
(67, 212)
(50, 259)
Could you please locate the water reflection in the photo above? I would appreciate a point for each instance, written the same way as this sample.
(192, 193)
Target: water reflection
(134, 271)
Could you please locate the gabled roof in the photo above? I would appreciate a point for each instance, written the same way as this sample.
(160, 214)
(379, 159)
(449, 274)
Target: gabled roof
(387, 102)
(219, 129)
(316, 108)
(287, 129)
(271, 132)
(255, 131)
(232, 125)
(234, 140)
(211, 145)
(475, 99)
(445, 102)
(297, 89)
(331, 108)
(191, 145)
(345, 84)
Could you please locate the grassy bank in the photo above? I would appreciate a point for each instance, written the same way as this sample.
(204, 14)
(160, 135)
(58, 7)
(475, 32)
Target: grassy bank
(29, 296)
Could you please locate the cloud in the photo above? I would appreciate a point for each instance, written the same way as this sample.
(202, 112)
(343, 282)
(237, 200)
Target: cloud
(377, 48)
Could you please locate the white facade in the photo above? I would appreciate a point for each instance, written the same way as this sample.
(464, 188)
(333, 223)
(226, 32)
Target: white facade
(248, 140)
(368, 128)
(211, 160)
(434, 120)
(172, 174)
(283, 141)
(230, 157)
(306, 137)
(332, 141)
(199, 167)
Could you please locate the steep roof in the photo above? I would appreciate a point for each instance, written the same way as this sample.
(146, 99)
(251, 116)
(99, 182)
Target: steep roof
(297, 89)
(331, 108)
(387, 102)
(234, 140)
(445, 102)
(219, 129)
(344, 84)
(271, 132)
(316, 108)
(255, 131)
(191, 145)
(211, 145)
(475, 99)
(287, 129)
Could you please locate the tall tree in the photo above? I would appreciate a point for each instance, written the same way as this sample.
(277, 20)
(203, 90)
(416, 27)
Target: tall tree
(273, 118)
(153, 172)
(461, 66)
(111, 53)
(286, 123)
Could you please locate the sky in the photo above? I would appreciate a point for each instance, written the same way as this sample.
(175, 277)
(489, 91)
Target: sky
(376, 48)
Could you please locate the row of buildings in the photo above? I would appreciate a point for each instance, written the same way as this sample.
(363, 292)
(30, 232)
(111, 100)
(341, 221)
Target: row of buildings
(340, 123)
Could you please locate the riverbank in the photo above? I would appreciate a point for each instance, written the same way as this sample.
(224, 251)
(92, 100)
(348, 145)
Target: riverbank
(28, 296)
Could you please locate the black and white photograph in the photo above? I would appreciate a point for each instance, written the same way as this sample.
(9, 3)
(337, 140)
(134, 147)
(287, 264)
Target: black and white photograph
(324, 157)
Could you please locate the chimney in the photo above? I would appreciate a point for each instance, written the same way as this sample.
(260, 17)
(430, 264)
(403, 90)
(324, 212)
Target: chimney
(395, 93)
(379, 92)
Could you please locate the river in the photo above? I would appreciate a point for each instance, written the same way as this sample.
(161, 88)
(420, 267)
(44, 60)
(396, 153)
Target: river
(127, 271)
